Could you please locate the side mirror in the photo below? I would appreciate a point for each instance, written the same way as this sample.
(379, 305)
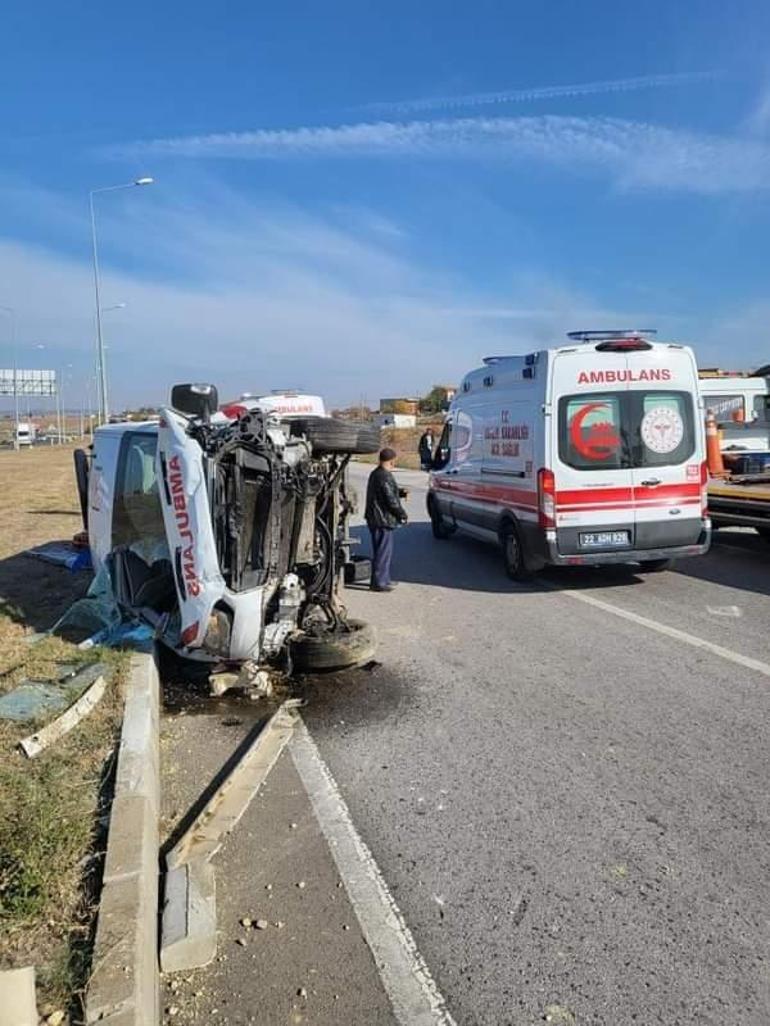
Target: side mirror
(195, 400)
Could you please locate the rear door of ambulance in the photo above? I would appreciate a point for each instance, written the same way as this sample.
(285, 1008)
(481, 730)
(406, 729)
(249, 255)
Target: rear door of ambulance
(666, 439)
(593, 479)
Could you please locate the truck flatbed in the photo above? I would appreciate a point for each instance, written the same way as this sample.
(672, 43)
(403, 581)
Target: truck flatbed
(740, 502)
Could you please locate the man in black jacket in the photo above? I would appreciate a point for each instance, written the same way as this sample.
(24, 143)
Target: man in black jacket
(384, 513)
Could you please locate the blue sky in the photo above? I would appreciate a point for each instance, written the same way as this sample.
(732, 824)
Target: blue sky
(362, 199)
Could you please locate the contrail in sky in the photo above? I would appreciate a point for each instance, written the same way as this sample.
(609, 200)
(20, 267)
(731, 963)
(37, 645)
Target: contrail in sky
(617, 85)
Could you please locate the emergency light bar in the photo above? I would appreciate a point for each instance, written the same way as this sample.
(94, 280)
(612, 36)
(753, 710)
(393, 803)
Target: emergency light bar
(609, 336)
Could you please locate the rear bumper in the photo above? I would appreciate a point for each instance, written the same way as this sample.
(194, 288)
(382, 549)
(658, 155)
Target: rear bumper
(556, 558)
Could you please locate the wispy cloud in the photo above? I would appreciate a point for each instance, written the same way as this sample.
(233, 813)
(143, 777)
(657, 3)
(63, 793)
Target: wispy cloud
(503, 96)
(632, 153)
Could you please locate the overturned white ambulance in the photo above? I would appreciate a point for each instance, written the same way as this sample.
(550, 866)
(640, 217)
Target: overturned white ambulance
(589, 453)
(227, 529)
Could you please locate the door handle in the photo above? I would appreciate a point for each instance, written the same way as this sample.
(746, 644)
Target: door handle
(652, 482)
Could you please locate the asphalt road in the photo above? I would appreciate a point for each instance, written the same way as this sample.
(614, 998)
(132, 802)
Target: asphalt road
(570, 808)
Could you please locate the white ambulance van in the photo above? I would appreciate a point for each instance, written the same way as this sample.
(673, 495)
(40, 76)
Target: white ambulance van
(586, 454)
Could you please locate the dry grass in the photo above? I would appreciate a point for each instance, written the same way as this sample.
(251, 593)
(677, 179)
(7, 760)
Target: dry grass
(405, 441)
(50, 834)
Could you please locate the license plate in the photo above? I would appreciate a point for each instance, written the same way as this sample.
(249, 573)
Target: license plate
(604, 539)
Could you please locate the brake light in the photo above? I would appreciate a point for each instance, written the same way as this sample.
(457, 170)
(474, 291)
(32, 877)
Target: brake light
(546, 498)
(704, 480)
(189, 634)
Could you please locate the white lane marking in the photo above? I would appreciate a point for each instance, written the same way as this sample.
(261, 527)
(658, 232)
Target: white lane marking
(415, 998)
(672, 632)
(724, 611)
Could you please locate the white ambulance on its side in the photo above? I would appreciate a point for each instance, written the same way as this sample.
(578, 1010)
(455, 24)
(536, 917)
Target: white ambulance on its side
(585, 454)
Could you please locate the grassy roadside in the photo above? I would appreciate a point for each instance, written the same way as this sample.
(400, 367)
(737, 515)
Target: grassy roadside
(51, 807)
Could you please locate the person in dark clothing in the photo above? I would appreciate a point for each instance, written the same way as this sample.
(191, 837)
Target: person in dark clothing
(384, 513)
(425, 449)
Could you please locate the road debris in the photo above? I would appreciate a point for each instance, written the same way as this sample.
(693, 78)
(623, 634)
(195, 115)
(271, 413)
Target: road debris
(262, 924)
(188, 937)
(34, 744)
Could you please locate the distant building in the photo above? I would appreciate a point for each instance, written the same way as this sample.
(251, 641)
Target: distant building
(400, 406)
(396, 420)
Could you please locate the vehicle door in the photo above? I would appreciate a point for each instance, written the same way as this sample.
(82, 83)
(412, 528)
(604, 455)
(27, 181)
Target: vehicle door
(594, 483)
(664, 432)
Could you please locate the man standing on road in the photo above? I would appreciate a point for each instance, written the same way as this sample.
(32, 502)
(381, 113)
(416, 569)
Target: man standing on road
(425, 449)
(384, 513)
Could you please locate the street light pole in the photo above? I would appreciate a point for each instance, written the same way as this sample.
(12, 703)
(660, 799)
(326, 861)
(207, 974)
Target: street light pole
(104, 410)
(12, 314)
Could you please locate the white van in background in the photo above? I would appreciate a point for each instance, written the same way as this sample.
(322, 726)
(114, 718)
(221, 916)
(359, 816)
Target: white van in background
(25, 433)
(588, 453)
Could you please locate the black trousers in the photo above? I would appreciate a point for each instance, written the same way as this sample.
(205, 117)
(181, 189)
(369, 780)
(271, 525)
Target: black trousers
(382, 554)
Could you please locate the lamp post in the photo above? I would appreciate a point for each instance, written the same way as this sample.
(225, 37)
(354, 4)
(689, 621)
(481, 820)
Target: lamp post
(12, 316)
(104, 411)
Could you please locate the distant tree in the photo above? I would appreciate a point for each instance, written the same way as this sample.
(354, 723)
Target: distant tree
(354, 413)
(436, 400)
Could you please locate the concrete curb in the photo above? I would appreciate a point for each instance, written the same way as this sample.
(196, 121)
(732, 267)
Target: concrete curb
(124, 987)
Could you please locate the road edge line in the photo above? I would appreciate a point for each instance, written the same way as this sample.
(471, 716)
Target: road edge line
(125, 981)
(413, 994)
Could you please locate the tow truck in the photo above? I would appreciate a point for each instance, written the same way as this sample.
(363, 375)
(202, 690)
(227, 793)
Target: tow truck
(737, 410)
(226, 529)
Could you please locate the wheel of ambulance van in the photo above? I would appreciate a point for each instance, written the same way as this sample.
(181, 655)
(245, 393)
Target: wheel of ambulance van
(334, 650)
(764, 533)
(655, 566)
(330, 435)
(441, 529)
(513, 553)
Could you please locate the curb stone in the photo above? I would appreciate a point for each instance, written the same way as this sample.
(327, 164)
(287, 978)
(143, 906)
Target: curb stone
(124, 987)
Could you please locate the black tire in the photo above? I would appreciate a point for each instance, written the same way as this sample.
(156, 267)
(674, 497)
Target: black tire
(358, 570)
(334, 651)
(330, 435)
(441, 529)
(81, 477)
(655, 566)
(513, 553)
(764, 533)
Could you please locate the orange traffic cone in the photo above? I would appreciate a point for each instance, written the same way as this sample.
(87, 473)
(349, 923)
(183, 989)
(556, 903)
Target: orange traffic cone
(713, 448)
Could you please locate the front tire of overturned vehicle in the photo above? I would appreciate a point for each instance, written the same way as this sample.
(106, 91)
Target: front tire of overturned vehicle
(353, 644)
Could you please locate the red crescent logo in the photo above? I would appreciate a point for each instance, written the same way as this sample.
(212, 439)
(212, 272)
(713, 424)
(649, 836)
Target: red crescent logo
(600, 442)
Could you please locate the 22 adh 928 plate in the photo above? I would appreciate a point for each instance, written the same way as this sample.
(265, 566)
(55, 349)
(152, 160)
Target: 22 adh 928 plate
(604, 539)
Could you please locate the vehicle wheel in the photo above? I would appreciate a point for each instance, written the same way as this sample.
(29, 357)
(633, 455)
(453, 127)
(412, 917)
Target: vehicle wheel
(513, 554)
(358, 570)
(655, 566)
(81, 478)
(351, 645)
(441, 529)
(764, 533)
(330, 435)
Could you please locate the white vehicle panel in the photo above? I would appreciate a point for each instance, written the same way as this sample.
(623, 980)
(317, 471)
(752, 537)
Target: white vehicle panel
(187, 517)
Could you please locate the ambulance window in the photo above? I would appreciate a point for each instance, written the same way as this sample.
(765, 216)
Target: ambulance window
(137, 513)
(590, 431)
(665, 433)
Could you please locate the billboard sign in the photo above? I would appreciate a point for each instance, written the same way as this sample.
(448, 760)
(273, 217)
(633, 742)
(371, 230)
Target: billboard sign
(28, 382)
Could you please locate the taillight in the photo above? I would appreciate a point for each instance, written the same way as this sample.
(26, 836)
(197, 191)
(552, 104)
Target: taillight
(189, 634)
(704, 480)
(546, 498)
